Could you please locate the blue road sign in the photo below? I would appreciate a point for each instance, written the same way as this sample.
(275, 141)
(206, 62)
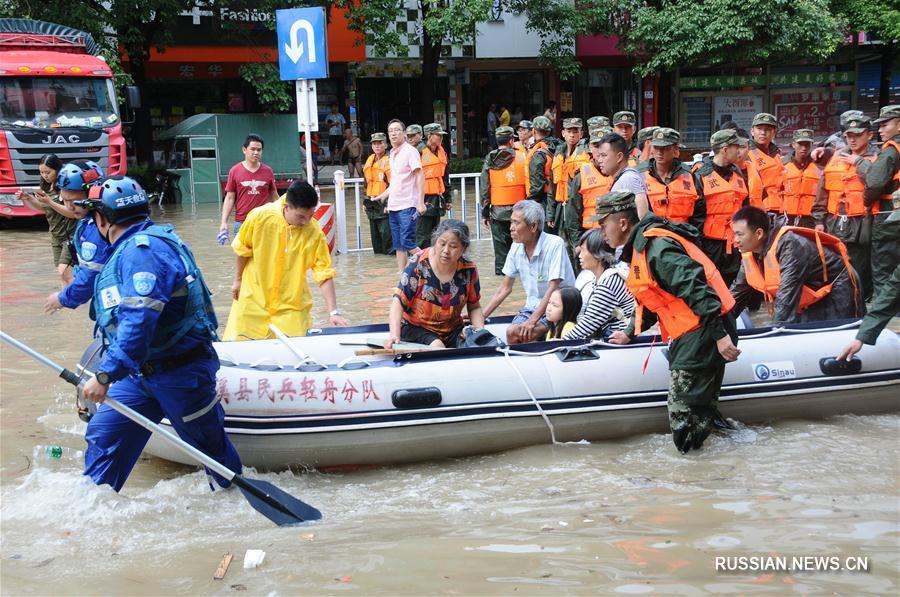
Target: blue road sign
(302, 43)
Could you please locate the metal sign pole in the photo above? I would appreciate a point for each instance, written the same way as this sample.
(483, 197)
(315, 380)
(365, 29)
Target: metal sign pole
(304, 96)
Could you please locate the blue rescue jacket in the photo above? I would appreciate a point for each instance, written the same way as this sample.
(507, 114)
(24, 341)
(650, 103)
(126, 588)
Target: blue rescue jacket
(151, 300)
(93, 251)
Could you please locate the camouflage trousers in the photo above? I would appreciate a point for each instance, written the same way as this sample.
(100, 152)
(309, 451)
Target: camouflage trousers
(693, 404)
(885, 250)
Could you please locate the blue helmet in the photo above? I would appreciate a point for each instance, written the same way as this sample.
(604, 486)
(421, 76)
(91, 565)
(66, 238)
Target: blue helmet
(118, 198)
(78, 176)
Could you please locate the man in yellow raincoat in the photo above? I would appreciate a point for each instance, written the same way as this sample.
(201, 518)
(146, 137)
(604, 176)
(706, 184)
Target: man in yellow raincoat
(278, 243)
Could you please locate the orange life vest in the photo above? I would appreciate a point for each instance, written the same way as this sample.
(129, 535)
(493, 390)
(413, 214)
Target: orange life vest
(673, 201)
(547, 163)
(800, 188)
(723, 199)
(593, 186)
(896, 179)
(771, 171)
(754, 185)
(564, 168)
(634, 156)
(845, 189)
(378, 174)
(768, 280)
(675, 316)
(434, 166)
(508, 185)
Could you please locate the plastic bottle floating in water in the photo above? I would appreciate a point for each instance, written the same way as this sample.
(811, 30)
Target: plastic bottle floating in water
(56, 454)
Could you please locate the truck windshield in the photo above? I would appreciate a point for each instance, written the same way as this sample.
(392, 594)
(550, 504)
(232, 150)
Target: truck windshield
(57, 101)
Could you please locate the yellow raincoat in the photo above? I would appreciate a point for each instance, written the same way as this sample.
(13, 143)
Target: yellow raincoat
(273, 285)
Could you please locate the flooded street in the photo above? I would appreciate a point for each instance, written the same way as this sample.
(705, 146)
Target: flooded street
(629, 517)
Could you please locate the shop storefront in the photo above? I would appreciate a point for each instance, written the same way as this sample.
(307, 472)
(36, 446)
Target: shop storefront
(606, 83)
(200, 71)
(799, 97)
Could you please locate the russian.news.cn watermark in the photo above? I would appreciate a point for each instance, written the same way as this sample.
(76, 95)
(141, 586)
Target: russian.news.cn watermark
(792, 564)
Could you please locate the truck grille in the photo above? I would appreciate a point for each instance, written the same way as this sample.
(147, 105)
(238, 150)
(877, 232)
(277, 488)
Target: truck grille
(27, 147)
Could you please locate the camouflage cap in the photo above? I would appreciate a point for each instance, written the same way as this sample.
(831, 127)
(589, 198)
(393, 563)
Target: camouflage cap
(524, 124)
(724, 137)
(624, 117)
(664, 137)
(542, 123)
(858, 124)
(646, 133)
(803, 136)
(414, 129)
(378, 137)
(743, 141)
(434, 129)
(764, 118)
(504, 131)
(611, 203)
(572, 123)
(597, 121)
(848, 114)
(596, 136)
(895, 215)
(887, 113)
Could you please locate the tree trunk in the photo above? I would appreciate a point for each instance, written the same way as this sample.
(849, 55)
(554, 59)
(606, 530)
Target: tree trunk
(431, 56)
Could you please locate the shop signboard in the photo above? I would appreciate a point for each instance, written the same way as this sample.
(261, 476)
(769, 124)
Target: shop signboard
(739, 109)
(818, 111)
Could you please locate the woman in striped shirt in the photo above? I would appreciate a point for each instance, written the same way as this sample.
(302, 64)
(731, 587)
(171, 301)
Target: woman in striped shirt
(611, 304)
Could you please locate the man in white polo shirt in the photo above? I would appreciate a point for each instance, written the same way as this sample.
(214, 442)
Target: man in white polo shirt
(541, 261)
(405, 194)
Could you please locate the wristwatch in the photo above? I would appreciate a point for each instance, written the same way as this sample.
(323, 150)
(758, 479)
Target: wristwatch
(335, 312)
(103, 377)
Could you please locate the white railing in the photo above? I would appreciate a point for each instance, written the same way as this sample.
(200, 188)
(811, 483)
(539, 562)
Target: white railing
(460, 197)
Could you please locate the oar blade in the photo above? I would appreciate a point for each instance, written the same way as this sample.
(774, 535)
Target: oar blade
(275, 504)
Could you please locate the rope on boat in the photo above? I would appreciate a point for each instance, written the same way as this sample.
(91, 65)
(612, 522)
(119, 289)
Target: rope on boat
(506, 353)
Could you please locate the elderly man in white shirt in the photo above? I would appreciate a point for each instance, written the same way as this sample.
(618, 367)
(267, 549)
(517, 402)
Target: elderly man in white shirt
(541, 261)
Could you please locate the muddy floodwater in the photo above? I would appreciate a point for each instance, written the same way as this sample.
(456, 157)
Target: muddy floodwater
(629, 517)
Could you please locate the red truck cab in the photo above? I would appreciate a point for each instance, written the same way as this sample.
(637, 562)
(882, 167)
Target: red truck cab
(56, 96)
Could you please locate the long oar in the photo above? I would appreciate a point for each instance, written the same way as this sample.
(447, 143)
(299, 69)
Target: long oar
(273, 503)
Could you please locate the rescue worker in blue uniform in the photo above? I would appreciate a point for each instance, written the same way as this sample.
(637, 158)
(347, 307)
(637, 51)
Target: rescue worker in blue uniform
(91, 249)
(155, 314)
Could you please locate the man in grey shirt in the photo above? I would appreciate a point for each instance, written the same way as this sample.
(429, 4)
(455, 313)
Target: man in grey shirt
(613, 162)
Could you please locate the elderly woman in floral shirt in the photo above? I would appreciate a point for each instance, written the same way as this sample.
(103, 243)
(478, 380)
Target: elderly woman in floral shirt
(435, 286)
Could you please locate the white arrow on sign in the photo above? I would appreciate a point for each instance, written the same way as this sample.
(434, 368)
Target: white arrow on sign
(295, 49)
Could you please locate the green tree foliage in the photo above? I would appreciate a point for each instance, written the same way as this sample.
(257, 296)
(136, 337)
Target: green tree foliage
(443, 21)
(274, 94)
(665, 34)
(878, 17)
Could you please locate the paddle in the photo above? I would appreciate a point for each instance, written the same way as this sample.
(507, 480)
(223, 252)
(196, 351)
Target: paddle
(270, 501)
(389, 351)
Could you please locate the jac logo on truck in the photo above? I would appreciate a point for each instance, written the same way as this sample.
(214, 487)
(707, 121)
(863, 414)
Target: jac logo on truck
(62, 139)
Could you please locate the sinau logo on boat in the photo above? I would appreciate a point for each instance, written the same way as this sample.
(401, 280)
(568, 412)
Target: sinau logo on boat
(774, 371)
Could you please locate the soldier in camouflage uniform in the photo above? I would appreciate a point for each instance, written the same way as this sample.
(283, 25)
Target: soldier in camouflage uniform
(502, 186)
(797, 264)
(882, 179)
(538, 160)
(438, 194)
(697, 353)
(643, 143)
(377, 174)
(885, 305)
(414, 136)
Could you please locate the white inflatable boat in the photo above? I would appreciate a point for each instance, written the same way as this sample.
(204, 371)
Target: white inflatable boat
(311, 401)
